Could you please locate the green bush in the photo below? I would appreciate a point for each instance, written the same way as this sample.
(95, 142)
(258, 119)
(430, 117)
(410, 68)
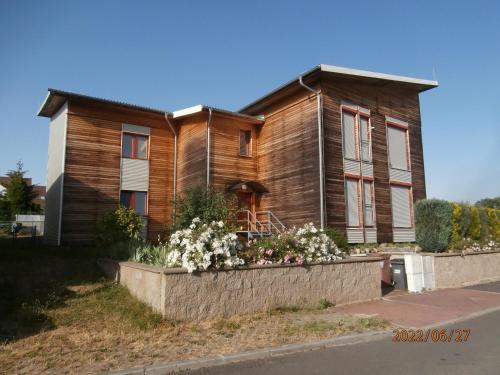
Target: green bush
(207, 205)
(456, 232)
(117, 226)
(494, 222)
(465, 220)
(433, 221)
(483, 219)
(474, 230)
(338, 237)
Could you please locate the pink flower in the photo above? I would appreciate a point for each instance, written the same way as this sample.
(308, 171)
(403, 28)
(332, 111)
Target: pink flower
(300, 260)
(269, 252)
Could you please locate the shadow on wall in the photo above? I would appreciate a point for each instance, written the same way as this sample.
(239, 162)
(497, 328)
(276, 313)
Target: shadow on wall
(83, 205)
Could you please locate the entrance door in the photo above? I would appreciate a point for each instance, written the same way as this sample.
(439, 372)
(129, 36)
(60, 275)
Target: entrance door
(245, 202)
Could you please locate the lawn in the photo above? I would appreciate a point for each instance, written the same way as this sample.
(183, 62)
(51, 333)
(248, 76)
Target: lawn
(59, 315)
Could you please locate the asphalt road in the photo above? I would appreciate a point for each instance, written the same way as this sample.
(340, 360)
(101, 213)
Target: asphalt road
(479, 355)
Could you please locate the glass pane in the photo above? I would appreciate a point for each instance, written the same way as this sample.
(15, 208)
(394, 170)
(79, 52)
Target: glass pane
(368, 216)
(140, 202)
(352, 203)
(142, 147)
(245, 138)
(349, 135)
(127, 146)
(364, 128)
(125, 198)
(398, 153)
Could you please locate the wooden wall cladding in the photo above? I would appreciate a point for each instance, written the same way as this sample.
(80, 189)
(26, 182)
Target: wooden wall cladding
(391, 100)
(226, 163)
(92, 170)
(192, 153)
(161, 169)
(288, 159)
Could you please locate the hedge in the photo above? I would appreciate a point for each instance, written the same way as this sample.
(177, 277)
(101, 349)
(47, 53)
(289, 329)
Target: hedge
(442, 225)
(433, 219)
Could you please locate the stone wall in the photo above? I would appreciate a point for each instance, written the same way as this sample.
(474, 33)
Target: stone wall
(182, 296)
(455, 270)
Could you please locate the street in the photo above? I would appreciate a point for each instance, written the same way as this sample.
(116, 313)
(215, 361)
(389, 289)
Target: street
(479, 355)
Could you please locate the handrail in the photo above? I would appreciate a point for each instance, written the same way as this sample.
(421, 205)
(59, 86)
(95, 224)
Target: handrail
(269, 225)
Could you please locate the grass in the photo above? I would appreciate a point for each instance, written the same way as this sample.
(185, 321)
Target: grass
(59, 315)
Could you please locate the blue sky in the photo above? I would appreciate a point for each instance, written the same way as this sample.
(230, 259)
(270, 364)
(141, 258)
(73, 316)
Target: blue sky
(227, 53)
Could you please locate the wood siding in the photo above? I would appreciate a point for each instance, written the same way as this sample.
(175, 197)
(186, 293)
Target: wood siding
(227, 166)
(288, 159)
(382, 100)
(92, 170)
(192, 153)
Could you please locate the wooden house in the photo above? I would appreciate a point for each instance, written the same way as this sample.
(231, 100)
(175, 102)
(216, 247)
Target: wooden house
(339, 147)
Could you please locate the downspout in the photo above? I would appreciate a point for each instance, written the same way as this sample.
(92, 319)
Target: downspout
(174, 131)
(209, 121)
(321, 154)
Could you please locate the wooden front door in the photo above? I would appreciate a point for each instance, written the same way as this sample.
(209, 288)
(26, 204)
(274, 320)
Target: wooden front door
(245, 202)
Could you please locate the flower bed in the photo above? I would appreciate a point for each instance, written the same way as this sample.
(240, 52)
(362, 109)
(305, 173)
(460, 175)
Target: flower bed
(213, 246)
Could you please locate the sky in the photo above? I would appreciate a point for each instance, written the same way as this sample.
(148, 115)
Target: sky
(171, 55)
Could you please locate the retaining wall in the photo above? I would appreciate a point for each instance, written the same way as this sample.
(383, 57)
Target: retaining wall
(455, 270)
(179, 295)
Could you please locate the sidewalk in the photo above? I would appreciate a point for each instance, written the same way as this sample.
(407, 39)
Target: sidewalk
(430, 308)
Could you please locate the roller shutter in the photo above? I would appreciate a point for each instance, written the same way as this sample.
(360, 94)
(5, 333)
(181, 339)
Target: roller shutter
(401, 206)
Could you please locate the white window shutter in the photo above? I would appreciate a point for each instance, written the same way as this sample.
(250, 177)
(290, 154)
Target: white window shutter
(401, 212)
(352, 203)
(348, 124)
(398, 156)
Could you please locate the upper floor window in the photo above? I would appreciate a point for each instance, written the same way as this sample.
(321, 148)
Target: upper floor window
(356, 131)
(397, 140)
(135, 146)
(245, 143)
(136, 200)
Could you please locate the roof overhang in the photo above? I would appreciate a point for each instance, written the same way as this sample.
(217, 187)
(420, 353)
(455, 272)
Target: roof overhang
(197, 109)
(418, 84)
(56, 98)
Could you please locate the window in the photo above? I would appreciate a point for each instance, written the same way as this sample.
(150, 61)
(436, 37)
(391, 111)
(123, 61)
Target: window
(356, 130)
(401, 206)
(135, 146)
(364, 124)
(136, 200)
(397, 138)
(350, 137)
(352, 202)
(245, 142)
(369, 203)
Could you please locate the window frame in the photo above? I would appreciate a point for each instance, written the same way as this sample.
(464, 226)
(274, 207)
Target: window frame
(132, 200)
(360, 184)
(358, 144)
(134, 137)
(405, 128)
(250, 142)
(410, 203)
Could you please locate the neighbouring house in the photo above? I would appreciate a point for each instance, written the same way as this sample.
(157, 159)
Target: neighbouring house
(336, 146)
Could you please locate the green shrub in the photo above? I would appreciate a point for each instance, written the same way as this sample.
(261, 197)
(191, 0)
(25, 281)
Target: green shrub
(474, 230)
(484, 221)
(493, 222)
(456, 233)
(118, 226)
(465, 220)
(207, 205)
(433, 221)
(338, 237)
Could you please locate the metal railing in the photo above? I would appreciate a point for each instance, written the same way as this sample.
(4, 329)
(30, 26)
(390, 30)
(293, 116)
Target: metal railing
(260, 223)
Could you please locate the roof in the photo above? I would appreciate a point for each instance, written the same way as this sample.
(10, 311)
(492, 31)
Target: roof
(56, 98)
(203, 108)
(419, 84)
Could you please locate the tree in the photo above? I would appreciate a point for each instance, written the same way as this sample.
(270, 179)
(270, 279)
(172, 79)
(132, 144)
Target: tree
(490, 203)
(18, 195)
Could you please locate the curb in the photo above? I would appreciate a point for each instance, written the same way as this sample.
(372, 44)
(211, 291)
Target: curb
(224, 359)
